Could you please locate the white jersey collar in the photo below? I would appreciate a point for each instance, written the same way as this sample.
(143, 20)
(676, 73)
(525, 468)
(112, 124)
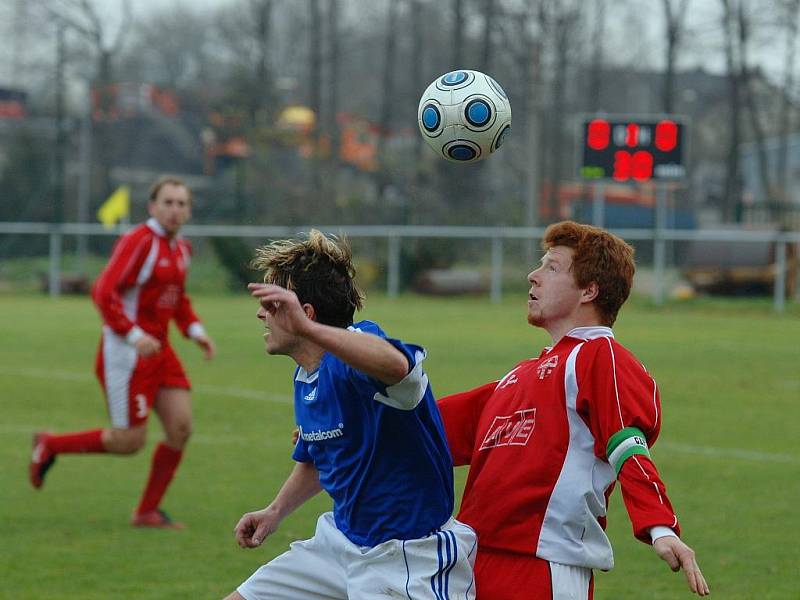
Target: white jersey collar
(590, 333)
(304, 376)
(156, 227)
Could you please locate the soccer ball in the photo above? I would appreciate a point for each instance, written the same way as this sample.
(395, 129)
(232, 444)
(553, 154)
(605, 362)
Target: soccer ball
(464, 115)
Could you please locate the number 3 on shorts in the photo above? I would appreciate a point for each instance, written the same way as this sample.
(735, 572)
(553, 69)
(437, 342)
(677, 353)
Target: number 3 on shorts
(141, 406)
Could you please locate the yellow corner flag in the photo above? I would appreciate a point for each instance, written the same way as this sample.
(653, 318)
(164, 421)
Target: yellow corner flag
(116, 207)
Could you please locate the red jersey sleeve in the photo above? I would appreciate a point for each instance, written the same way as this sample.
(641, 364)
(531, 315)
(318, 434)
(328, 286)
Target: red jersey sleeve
(184, 313)
(620, 402)
(118, 275)
(460, 413)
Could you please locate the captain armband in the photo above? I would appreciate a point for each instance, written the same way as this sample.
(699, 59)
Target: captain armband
(624, 444)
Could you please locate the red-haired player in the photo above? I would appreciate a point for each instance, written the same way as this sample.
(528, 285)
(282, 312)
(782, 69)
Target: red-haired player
(547, 442)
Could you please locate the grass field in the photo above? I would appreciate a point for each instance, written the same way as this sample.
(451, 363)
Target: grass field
(729, 373)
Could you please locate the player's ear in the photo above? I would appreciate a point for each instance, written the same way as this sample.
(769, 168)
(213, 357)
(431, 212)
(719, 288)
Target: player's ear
(310, 312)
(590, 292)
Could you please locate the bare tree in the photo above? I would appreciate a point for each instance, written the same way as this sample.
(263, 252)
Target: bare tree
(745, 25)
(333, 86)
(731, 202)
(315, 90)
(490, 7)
(565, 20)
(458, 34)
(82, 17)
(674, 16)
(388, 95)
(791, 13)
(596, 68)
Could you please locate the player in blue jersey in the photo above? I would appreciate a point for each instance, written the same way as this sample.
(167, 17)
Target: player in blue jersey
(370, 435)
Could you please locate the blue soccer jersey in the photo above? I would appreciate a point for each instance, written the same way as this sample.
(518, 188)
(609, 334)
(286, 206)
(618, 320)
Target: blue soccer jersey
(381, 451)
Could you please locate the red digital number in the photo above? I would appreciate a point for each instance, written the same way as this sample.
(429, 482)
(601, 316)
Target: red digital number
(666, 135)
(599, 134)
(642, 165)
(632, 139)
(638, 166)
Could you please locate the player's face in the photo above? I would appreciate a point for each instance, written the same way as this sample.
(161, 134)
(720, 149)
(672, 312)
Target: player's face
(171, 207)
(276, 340)
(554, 297)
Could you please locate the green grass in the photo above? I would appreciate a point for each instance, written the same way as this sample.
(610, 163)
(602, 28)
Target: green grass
(729, 374)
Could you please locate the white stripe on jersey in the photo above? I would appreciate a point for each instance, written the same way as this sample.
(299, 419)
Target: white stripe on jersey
(149, 264)
(573, 495)
(616, 388)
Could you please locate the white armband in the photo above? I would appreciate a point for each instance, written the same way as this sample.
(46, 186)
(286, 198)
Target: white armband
(407, 393)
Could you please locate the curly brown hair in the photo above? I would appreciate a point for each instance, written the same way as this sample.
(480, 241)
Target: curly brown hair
(599, 256)
(319, 270)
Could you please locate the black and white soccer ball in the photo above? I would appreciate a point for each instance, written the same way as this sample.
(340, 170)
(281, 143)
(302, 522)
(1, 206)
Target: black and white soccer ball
(464, 115)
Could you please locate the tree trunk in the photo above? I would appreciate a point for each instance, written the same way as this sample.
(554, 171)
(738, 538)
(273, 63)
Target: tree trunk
(785, 127)
(732, 193)
(488, 21)
(388, 100)
(595, 74)
(753, 112)
(333, 95)
(315, 94)
(458, 34)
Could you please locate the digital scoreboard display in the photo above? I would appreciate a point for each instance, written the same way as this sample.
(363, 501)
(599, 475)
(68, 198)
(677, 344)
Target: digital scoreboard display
(632, 149)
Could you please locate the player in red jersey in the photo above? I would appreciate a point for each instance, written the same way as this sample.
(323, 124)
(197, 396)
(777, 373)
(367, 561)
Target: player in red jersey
(548, 441)
(140, 290)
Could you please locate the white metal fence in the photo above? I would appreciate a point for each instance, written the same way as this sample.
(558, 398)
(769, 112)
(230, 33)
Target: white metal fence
(395, 234)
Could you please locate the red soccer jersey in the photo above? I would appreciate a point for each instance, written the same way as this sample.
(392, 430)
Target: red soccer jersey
(536, 443)
(143, 284)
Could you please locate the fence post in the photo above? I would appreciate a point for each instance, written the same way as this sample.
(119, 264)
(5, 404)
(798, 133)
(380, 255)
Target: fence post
(496, 289)
(393, 267)
(779, 297)
(54, 277)
(659, 245)
(599, 205)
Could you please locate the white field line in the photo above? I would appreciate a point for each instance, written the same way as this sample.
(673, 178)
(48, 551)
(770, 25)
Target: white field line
(249, 394)
(728, 453)
(209, 390)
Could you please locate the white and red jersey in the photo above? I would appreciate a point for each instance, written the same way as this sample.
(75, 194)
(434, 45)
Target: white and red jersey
(142, 286)
(536, 442)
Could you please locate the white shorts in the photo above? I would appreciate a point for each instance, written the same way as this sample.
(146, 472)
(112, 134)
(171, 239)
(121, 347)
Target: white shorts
(330, 567)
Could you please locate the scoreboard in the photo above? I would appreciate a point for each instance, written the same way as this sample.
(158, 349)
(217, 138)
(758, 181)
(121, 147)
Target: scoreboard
(633, 149)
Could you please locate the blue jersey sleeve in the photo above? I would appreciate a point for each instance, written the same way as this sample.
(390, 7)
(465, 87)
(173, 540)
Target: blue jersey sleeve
(300, 453)
(410, 351)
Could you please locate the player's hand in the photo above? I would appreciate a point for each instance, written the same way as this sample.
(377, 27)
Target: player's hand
(147, 345)
(205, 342)
(680, 556)
(295, 436)
(282, 305)
(254, 527)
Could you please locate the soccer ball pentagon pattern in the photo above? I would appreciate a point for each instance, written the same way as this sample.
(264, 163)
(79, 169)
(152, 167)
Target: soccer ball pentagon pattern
(464, 115)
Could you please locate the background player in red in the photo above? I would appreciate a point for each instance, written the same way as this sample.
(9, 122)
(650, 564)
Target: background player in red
(547, 442)
(140, 290)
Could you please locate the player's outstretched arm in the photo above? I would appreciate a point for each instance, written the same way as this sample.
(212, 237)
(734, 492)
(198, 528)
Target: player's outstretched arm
(206, 345)
(366, 353)
(680, 556)
(254, 527)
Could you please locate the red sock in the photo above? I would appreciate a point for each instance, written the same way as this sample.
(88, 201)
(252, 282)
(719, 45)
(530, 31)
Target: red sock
(165, 463)
(76, 443)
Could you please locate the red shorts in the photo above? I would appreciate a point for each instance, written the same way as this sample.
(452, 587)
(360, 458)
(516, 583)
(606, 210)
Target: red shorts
(510, 576)
(131, 382)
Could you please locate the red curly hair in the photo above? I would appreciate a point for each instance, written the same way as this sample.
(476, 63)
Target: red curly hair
(599, 256)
